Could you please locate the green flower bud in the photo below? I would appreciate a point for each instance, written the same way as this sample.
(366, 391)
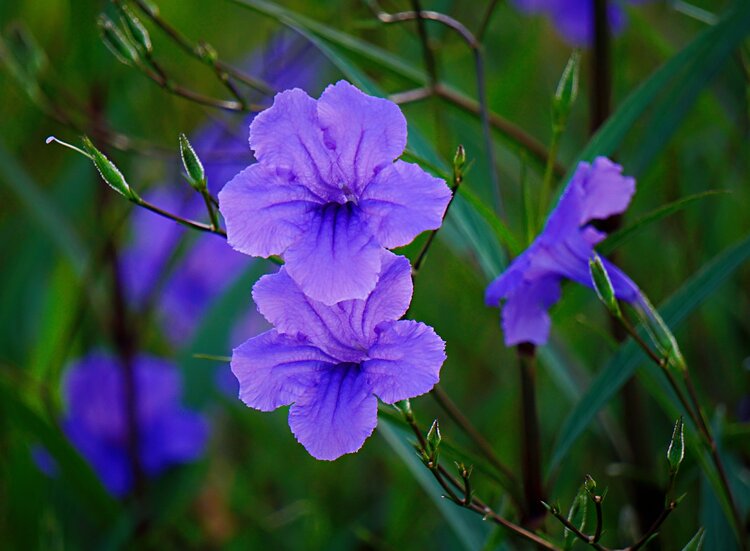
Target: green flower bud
(117, 42)
(109, 172)
(567, 90)
(676, 449)
(433, 441)
(459, 159)
(137, 30)
(603, 285)
(193, 167)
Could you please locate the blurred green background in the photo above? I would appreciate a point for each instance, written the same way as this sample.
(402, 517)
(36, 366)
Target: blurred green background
(255, 486)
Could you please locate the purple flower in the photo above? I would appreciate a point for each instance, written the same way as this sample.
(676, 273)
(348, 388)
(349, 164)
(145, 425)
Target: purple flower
(183, 287)
(574, 19)
(531, 285)
(330, 362)
(326, 193)
(96, 418)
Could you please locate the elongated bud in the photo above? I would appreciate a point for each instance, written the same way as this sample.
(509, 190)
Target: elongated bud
(660, 334)
(193, 167)
(207, 52)
(136, 28)
(603, 285)
(567, 90)
(589, 484)
(117, 42)
(433, 441)
(459, 159)
(576, 516)
(109, 172)
(676, 449)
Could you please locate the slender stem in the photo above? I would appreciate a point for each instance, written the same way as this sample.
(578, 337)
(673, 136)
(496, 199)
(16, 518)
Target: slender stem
(531, 452)
(444, 401)
(180, 220)
(601, 81)
(213, 216)
(457, 180)
(427, 53)
(485, 21)
(572, 527)
(549, 172)
(654, 527)
(199, 51)
(598, 507)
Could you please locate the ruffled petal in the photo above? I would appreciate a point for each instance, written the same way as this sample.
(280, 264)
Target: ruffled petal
(335, 416)
(264, 212)
(402, 201)
(511, 278)
(525, 316)
(364, 132)
(288, 137)
(391, 297)
(274, 370)
(331, 328)
(605, 190)
(405, 361)
(337, 258)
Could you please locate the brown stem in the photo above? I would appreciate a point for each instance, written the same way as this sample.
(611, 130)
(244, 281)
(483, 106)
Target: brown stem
(485, 21)
(531, 452)
(601, 80)
(572, 527)
(209, 228)
(654, 527)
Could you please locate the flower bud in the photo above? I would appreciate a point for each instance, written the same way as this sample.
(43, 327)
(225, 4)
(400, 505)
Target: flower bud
(603, 285)
(459, 159)
(136, 28)
(589, 484)
(567, 90)
(676, 449)
(433, 441)
(117, 42)
(196, 175)
(109, 172)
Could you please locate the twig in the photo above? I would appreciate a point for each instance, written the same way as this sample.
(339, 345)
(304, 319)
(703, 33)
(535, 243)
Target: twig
(598, 507)
(654, 527)
(200, 52)
(572, 527)
(601, 81)
(485, 21)
(209, 228)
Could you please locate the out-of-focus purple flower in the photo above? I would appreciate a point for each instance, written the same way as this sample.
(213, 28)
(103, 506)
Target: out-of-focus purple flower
(326, 192)
(96, 419)
(181, 289)
(330, 362)
(531, 285)
(574, 19)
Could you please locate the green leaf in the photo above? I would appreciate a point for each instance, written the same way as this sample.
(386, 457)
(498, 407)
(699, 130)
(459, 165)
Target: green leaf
(623, 365)
(468, 526)
(696, 543)
(620, 237)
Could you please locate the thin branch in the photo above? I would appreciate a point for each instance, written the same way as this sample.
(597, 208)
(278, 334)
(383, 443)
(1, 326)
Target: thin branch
(589, 540)
(485, 21)
(654, 527)
(208, 228)
(199, 51)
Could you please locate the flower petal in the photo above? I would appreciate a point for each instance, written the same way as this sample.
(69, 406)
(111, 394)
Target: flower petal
(335, 416)
(392, 295)
(405, 361)
(274, 370)
(364, 132)
(525, 316)
(606, 191)
(264, 212)
(337, 258)
(288, 137)
(511, 278)
(402, 201)
(290, 311)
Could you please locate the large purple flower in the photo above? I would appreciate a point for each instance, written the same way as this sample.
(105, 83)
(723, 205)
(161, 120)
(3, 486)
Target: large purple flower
(330, 362)
(326, 193)
(574, 19)
(531, 285)
(96, 418)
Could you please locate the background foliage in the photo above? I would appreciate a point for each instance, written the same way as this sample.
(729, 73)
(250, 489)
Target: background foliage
(680, 125)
